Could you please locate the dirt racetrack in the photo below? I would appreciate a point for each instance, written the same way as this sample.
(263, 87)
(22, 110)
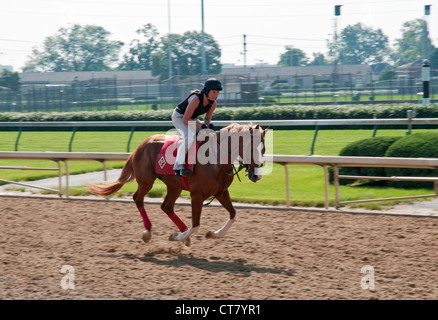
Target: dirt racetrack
(268, 254)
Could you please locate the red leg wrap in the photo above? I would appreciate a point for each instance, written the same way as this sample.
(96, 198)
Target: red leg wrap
(146, 222)
(179, 223)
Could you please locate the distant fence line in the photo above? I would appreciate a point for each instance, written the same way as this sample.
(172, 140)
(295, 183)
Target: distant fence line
(239, 90)
(314, 124)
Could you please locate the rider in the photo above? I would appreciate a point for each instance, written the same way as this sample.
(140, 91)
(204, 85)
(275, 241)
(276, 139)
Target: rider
(187, 111)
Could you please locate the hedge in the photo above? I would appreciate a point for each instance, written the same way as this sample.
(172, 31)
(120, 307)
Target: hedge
(292, 112)
(419, 145)
(371, 147)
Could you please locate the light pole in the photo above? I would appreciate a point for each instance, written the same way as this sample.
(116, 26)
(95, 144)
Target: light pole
(425, 70)
(169, 49)
(425, 75)
(336, 53)
(203, 63)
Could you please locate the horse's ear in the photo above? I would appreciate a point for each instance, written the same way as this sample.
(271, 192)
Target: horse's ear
(257, 126)
(266, 130)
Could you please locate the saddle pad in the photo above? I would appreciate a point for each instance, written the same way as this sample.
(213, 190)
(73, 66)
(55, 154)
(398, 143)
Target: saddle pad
(164, 164)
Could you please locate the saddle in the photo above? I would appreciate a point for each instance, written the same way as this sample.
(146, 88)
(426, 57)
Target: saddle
(167, 155)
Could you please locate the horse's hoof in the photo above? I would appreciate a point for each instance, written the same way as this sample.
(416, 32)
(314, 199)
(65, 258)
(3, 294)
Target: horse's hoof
(172, 237)
(147, 235)
(210, 235)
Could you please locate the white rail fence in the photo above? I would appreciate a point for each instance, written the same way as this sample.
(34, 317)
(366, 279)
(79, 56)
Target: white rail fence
(335, 162)
(60, 157)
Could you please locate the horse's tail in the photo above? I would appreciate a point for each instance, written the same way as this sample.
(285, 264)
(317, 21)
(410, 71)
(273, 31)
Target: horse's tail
(127, 175)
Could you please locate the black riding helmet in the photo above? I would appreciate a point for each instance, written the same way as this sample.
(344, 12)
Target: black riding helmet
(212, 84)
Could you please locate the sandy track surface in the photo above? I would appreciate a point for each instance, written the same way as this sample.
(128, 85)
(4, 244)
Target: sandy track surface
(268, 254)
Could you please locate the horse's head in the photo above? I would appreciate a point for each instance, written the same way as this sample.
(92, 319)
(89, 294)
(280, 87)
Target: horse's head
(246, 144)
(254, 168)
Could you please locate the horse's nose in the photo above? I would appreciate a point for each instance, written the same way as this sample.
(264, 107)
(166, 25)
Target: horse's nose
(258, 173)
(255, 178)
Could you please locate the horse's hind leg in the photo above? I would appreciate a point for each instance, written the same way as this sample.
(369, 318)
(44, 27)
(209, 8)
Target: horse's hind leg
(143, 188)
(225, 200)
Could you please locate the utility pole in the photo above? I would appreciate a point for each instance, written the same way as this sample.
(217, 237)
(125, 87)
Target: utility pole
(204, 64)
(335, 36)
(244, 50)
(169, 49)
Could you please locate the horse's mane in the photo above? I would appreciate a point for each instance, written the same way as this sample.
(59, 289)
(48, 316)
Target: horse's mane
(235, 127)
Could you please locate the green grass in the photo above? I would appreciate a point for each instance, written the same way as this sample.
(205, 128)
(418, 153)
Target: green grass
(306, 182)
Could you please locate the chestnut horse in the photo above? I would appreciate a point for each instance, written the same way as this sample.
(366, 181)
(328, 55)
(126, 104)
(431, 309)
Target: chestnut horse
(210, 178)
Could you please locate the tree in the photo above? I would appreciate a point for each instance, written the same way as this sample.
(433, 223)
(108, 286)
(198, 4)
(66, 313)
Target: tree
(10, 80)
(140, 52)
(318, 60)
(414, 41)
(433, 60)
(293, 57)
(77, 48)
(388, 75)
(186, 55)
(360, 44)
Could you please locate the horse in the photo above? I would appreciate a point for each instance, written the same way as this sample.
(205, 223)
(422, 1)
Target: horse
(208, 179)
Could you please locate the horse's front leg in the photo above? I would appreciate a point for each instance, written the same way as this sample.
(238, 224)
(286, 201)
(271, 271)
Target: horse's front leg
(225, 199)
(196, 201)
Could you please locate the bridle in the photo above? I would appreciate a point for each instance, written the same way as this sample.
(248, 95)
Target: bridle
(234, 171)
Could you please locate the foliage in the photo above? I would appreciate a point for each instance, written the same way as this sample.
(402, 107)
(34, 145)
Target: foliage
(77, 48)
(186, 55)
(415, 38)
(360, 44)
(433, 59)
(11, 80)
(293, 57)
(318, 60)
(140, 51)
(293, 112)
(281, 86)
(371, 147)
(324, 85)
(419, 145)
(388, 75)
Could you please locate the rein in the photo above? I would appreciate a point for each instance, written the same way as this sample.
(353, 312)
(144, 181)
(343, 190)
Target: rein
(231, 174)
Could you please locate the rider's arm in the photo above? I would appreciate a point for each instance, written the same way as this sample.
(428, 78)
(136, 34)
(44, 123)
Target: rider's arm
(209, 114)
(193, 104)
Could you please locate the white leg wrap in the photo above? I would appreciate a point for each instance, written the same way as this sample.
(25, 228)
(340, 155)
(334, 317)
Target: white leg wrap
(184, 235)
(222, 231)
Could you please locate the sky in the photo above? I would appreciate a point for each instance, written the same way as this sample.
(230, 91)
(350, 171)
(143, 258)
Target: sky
(269, 25)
